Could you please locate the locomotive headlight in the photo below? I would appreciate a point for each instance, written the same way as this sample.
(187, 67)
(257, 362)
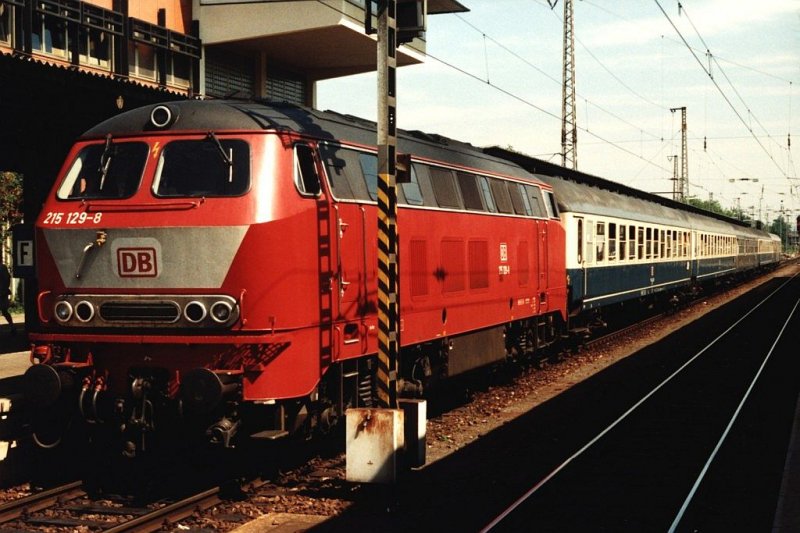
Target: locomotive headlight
(84, 311)
(63, 311)
(195, 311)
(221, 312)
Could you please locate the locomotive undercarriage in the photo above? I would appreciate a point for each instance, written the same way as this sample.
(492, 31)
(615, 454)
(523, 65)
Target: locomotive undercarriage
(65, 395)
(152, 412)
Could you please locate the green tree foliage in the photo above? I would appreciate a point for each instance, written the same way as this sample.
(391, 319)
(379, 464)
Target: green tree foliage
(713, 206)
(10, 203)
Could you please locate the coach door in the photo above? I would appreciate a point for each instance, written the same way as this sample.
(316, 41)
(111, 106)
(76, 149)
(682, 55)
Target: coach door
(581, 256)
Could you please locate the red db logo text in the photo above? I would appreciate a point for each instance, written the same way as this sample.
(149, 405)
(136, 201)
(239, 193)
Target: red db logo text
(137, 263)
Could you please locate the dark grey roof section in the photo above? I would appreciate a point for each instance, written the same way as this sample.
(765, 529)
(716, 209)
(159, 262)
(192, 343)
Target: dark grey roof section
(581, 192)
(230, 115)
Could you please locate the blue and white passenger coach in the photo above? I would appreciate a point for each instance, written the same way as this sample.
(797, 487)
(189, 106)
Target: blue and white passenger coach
(623, 244)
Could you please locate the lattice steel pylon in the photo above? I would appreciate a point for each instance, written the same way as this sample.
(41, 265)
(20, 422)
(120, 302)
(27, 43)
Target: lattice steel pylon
(569, 123)
(683, 179)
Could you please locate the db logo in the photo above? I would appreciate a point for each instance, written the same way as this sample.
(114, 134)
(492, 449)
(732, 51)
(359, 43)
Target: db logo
(137, 263)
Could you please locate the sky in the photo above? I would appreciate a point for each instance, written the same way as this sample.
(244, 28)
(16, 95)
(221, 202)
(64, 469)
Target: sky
(492, 77)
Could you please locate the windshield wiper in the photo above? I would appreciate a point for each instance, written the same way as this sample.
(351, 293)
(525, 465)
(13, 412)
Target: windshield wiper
(227, 157)
(105, 161)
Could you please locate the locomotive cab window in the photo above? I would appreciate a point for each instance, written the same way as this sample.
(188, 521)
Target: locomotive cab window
(550, 202)
(487, 194)
(469, 191)
(411, 190)
(534, 196)
(203, 168)
(444, 188)
(305, 171)
(105, 171)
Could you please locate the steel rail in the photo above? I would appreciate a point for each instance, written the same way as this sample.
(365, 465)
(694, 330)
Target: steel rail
(510, 509)
(169, 514)
(41, 500)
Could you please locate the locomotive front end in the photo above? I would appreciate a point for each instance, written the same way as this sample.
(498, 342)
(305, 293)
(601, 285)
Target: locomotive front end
(140, 297)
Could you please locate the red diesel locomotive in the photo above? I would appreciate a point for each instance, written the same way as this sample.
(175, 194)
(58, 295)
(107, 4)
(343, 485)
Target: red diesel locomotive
(208, 269)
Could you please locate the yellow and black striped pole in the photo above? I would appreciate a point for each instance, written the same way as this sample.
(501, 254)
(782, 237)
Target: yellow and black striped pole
(388, 330)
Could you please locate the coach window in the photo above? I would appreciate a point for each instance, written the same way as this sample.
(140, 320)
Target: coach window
(623, 243)
(631, 242)
(501, 196)
(105, 170)
(589, 242)
(411, 190)
(662, 236)
(580, 241)
(648, 243)
(203, 168)
(612, 241)
(668, 250)
(469, 191)
(600, 241)
(640, 242)
(488, 199)
(306, 178)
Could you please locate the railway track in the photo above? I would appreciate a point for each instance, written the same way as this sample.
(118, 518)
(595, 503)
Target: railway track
(70, 506)
(697, 451)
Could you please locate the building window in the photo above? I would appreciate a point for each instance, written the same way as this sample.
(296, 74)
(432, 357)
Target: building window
(95, 48)
(228, 74)
(49, 35)
(284, 86)
(179, 71)
(6, 24)
(142, 60)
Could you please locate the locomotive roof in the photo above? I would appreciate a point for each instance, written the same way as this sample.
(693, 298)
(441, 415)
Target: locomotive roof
(232, 115)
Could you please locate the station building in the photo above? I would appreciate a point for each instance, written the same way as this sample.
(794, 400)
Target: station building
(66, 65)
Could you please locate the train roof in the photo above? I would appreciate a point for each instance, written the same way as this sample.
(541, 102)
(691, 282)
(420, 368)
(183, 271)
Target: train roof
(584, 193)
(232, 115)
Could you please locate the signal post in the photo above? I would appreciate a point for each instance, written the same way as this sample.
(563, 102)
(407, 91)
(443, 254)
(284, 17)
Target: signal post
(375, 437)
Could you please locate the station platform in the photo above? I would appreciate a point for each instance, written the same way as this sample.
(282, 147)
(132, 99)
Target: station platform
(14, 349)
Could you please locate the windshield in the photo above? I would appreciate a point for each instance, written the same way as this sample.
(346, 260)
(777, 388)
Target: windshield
(205, 167)
(107, 170)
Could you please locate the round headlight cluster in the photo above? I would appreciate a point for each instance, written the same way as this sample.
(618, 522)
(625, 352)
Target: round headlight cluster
(84, 311)
(221, 312)
(195, 311)
(63, 311)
